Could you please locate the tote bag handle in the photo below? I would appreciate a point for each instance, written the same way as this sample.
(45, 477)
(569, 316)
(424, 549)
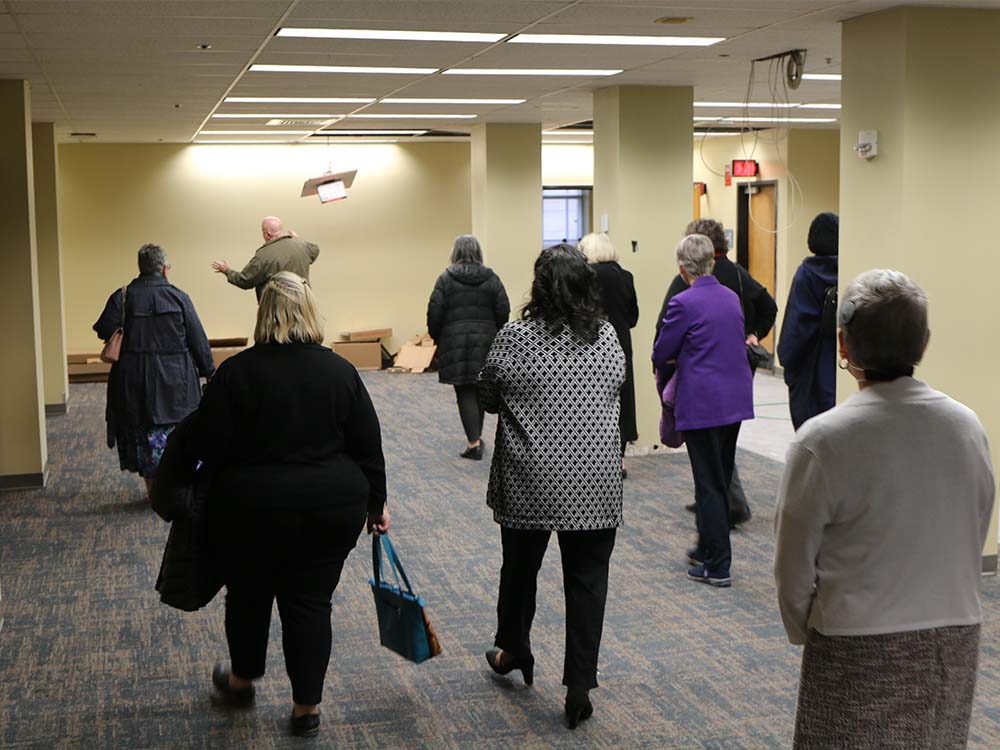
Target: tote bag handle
(397, 567)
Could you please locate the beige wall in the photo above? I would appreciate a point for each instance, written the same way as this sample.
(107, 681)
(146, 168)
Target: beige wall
(381, 249)
(912, 74)
(567, 164)
(23, 449)
(50, 279)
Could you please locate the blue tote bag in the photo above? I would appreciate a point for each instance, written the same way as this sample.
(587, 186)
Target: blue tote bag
(403, 626)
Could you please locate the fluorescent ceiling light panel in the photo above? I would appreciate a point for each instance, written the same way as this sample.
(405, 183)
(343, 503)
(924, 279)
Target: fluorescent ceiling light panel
(745, 104)
(819, 106)
(642, 41)
(528, 72)
(393, 36)
(368, 140)
(699, 134)
(566, 143)
(395, 100)
(271, 117)
(201, 142)
(297, 100)
(256, 132)
(765, 119)
(257, 68)
(821, 76)
(370, 116)
(588, 133)
(370, 132)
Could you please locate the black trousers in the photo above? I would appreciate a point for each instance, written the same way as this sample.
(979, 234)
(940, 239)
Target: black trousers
(470, 411)
(585, 558)
(295, 557)
(712, 452)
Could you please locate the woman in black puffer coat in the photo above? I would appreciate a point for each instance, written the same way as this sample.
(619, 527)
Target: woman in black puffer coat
(467, 308)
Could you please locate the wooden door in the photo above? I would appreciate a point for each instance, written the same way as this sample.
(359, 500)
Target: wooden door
(762, 241)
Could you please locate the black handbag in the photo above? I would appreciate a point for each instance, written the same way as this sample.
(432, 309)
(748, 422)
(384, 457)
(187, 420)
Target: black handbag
(757, 355)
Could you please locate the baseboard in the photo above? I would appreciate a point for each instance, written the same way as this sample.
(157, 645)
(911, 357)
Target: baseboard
(13, 482)
(56, 410)
(989, 565)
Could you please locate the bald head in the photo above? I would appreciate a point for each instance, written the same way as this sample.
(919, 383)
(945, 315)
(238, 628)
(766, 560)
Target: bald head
(271, 228)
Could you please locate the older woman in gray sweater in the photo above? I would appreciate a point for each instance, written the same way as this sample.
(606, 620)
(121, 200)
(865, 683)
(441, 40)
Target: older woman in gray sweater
(882, 515)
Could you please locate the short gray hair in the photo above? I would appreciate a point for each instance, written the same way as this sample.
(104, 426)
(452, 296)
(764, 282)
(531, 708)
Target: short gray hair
(696, 255)
(152, 259)
(883, 316)
(466, 250)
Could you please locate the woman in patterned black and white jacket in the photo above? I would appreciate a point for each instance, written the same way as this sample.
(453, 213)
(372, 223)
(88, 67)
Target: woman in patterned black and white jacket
(554, 379)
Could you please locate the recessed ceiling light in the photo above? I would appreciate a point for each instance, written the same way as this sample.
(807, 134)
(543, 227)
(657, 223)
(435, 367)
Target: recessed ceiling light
(371, 116)
(588, 133)
(765, 119)
(361, 140)
(403, 36)
(200, 142)
(256, 132)
(700, 133)
(819, 106)
(745, 104)
(369, 132)
(204, 46)
(297, 100)
(257, 68)
(528, 72)
(546, 142)
(396, 100)
(641, 41)
(241, 116)
(821, 76)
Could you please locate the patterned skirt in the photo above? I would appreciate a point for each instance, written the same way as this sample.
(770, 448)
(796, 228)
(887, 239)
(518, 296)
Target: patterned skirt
(139, 451)
(898, 691)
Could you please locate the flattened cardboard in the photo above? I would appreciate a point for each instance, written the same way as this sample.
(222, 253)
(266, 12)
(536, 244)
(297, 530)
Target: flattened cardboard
(310, 186)
(375, 334)
(415, 359)
(364, 355)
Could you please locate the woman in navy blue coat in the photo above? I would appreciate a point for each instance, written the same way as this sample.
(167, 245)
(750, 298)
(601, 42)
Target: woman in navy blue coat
(808, 353)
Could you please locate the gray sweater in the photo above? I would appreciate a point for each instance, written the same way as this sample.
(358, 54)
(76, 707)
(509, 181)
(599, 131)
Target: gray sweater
(882, 515)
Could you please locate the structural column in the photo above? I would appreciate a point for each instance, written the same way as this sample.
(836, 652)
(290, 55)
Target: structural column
(50, 282)
(923, 78)
(642, 196)
(22, 418)
(507, 201)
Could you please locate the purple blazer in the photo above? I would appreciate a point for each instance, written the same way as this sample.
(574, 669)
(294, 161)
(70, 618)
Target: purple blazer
(703, 331)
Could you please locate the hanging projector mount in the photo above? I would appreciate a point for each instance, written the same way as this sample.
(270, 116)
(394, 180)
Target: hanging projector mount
(795, 63)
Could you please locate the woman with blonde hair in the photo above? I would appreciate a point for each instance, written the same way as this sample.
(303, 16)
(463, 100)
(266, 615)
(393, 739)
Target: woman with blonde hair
(617, 290)
(295, 451)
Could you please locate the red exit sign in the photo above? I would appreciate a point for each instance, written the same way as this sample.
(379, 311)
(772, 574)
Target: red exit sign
(745, 168)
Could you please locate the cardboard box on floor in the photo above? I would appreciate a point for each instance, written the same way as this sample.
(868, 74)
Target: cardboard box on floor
(416, 355)
(363, 349)
(85, 366)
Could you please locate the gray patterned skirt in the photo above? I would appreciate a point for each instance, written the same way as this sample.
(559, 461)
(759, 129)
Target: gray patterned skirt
(898, 691)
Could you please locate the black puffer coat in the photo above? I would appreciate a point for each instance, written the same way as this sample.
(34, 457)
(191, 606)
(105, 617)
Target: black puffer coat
(467, 308)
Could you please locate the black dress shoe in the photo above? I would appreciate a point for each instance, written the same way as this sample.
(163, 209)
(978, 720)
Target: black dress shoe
(578, 707)
(475, 454)
(741, 516)
(305, 725)
(503, 663)
(228, 695)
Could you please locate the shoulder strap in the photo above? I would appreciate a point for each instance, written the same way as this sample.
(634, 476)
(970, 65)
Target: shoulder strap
(124, 289)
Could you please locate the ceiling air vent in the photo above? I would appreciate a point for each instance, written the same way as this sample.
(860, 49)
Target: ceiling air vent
(78, 134)
(299, 123)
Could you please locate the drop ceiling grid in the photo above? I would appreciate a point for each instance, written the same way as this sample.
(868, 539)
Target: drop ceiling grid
(115, 57)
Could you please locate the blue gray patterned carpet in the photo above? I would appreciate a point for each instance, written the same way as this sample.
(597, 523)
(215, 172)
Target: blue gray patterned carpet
(89, 658)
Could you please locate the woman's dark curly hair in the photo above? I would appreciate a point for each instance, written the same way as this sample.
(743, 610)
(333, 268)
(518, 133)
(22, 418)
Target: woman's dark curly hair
(564, 293)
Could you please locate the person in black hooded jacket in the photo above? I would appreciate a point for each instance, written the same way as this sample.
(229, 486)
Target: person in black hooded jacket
(467, 307)
(807, 353)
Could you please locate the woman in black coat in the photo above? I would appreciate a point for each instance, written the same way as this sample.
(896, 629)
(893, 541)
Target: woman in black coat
(467, 308)
(155, 382)
(296, 454)
(620, 304)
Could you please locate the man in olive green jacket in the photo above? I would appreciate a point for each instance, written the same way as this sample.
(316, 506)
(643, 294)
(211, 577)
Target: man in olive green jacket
(282, 251)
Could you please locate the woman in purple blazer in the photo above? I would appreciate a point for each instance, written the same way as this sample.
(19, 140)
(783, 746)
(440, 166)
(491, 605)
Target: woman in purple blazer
(703, 331)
